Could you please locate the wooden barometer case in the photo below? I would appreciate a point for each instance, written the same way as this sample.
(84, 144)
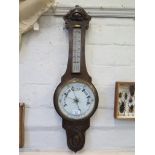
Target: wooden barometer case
(75, 98)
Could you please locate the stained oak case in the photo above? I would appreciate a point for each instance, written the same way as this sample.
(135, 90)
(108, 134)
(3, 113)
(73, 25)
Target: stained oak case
(75, 129)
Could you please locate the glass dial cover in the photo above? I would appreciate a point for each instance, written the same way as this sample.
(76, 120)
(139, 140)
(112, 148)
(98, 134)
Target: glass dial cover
(76, 99)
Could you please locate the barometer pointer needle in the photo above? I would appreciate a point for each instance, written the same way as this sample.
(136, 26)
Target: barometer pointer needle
(78, 106)
(70, 98)
(74, 94)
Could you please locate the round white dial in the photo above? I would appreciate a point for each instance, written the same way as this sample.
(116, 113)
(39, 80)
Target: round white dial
(76, 100)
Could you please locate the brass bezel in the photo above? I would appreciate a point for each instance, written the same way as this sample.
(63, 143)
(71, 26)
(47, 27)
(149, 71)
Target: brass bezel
(75, 80)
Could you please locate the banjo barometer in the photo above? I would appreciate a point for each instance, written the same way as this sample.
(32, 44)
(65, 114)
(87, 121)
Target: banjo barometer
(75, 98)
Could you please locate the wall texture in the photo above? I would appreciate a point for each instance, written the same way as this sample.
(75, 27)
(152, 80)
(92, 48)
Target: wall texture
(43, 60)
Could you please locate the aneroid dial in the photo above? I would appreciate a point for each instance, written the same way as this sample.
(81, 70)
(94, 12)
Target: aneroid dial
(76, 100)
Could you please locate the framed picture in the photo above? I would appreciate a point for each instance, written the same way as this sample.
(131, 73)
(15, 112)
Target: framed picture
(21, 124)
(124, 107)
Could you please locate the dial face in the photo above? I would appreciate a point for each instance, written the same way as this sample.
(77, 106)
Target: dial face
(76, 100)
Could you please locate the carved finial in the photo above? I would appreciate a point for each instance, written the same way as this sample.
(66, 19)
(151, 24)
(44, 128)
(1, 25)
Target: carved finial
(78, 15)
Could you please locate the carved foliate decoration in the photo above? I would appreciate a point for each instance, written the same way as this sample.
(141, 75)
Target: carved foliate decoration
(77, 16)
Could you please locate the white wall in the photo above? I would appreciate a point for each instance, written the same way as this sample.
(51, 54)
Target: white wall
(43, 59)
(98, 3)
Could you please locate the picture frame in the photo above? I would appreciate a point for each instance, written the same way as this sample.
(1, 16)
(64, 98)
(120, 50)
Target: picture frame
(124, 106)
(21, 124)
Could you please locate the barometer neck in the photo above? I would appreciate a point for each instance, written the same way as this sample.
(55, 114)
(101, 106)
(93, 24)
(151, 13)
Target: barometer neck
(77, 22)
(76, 59)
